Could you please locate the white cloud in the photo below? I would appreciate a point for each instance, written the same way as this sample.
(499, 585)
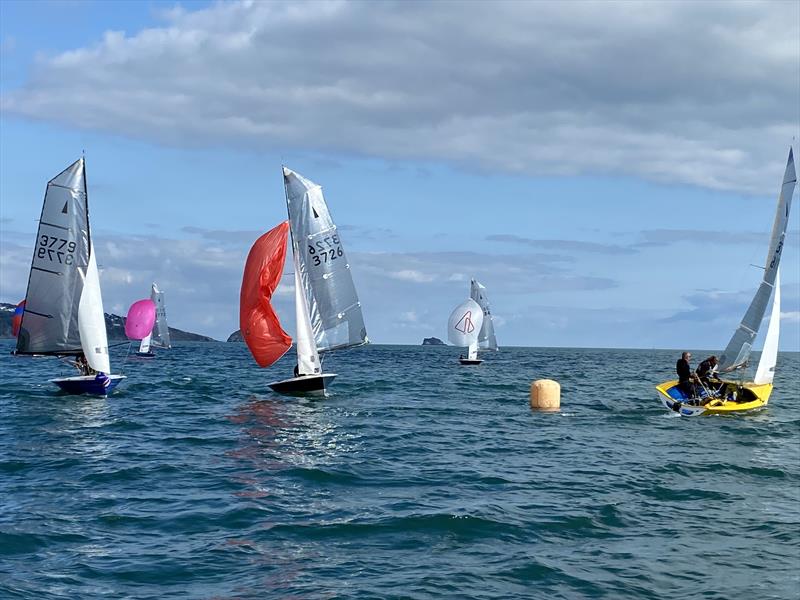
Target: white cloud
(702, 93)
(411, 275)
(792, 316)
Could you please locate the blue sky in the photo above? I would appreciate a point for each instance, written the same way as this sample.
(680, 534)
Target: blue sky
(608, 171)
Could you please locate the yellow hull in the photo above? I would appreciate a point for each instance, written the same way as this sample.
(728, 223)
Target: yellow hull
(748, 396)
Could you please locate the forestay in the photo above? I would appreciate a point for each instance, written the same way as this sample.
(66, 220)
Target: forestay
(738, 350)
(59, 268)
(324, 272)
(486, 338)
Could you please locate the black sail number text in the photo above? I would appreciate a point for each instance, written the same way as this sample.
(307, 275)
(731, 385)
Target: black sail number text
(56, 249)
(325, 250)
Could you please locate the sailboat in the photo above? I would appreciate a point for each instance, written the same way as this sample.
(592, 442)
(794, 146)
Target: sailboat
(464, 327)
(486, 338)
(327, 309)
(63, 314)
(159, 337)
(737, 396)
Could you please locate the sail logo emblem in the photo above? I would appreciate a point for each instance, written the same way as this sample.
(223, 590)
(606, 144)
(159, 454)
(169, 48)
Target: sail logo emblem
(465, 324)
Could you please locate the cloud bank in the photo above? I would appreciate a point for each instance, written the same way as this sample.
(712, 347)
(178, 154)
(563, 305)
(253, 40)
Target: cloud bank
(699, 93)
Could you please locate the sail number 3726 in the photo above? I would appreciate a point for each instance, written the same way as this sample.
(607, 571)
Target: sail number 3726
(325, 250)
(56, 249)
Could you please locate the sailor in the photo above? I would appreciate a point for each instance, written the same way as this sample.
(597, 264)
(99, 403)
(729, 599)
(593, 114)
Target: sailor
(83, 365)
(707, 370)
(686, 378)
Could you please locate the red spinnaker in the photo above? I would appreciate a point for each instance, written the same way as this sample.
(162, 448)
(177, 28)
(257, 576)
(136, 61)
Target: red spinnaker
(260, 327)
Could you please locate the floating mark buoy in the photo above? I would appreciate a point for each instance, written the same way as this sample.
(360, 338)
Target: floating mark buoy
(545, 395)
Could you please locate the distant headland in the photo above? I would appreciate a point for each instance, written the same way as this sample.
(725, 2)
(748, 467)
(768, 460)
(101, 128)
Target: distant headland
(433, 341)
(115, 327)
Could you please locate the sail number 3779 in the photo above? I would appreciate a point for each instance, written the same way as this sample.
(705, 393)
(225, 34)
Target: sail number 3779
(325, 250)
(56, 249)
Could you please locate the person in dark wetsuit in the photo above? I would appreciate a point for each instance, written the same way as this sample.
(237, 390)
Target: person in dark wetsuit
(707, 370)
(685, 376)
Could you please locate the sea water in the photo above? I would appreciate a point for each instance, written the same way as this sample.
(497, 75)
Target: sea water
(417, 478)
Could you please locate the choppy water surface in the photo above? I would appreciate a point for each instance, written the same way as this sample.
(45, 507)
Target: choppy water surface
(418, 478)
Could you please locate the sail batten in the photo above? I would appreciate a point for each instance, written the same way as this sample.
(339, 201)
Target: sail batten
(737, 352)
(322, 270)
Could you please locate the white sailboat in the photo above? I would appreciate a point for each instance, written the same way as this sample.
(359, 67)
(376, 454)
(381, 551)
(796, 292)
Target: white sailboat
(487, 340)
(327, 309)
(742, 395)
(159, 337)
(464, 327)
(63, 313)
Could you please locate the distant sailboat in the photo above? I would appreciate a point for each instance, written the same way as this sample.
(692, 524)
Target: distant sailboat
(327, 309)
(63, 314)
(159, 337)
(486, 338)
(735, 396)
(464, 327)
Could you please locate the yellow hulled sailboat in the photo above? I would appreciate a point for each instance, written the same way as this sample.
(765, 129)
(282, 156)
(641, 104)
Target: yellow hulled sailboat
(728, 395)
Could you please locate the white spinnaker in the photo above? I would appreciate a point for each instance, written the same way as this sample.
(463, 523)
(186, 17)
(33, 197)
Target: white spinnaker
(307, 355)
(769, 355)
(91, 320)
(465, 323)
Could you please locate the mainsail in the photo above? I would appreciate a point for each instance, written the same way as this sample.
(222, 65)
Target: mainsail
(322, 269)
(486, 338)
(60, 269)
(737, 352)
(160, 335)
(259, 325)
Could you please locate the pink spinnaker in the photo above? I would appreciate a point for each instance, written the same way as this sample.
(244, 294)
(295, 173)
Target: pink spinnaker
(141, 318)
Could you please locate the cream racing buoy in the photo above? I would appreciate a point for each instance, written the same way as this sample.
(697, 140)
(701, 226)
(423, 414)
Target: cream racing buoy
(545, 395)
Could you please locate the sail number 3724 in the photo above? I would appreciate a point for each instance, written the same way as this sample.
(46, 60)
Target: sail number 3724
(325, 250)
(56, 249)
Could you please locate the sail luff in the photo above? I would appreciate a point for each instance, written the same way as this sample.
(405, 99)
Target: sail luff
(765, 372)
(737, 352)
